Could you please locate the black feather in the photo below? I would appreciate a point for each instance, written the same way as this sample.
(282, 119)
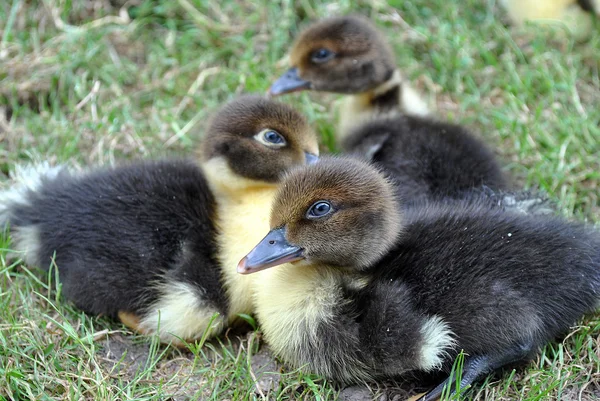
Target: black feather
(427, 159)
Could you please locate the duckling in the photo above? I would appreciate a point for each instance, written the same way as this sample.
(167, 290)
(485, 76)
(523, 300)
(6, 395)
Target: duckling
(577, 15)
(427, 158)
(156, 243)
(368, 290)
(349, 55)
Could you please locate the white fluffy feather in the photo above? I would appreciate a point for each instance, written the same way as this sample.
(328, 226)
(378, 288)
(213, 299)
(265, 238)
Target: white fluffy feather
(437, 340)
(23, 181)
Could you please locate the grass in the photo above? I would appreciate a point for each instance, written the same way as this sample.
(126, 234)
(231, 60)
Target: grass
(91, 83)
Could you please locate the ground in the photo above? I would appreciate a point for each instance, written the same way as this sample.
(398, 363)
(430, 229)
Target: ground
(97, 81)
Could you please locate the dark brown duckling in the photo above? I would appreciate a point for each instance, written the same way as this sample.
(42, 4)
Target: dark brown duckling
(366, 291)
(156, 243)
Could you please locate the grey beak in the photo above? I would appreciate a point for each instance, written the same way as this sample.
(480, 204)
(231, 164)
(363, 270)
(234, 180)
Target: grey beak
(273, 250)
(288, 82)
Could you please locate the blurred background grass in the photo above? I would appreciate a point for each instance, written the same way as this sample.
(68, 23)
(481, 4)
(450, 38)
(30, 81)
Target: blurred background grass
(98, 81)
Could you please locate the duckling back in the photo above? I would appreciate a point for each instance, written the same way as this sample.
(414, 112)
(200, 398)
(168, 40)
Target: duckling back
(394, 97)
(434, 160)
(427, 159)
(497, 278)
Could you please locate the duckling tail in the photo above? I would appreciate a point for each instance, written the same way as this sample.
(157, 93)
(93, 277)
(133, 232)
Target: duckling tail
(25, 183)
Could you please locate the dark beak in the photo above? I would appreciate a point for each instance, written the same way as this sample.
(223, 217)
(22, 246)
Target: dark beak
(288, 82)
(311, 158)
(273, 250)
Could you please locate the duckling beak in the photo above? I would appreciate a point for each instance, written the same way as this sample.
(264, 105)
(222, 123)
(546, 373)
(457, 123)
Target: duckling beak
(273, 250)
(288, 82)
(311, 158)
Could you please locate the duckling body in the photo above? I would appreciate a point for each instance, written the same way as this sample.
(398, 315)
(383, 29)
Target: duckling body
(372, 293)
(577, 15)
(130, 240)
(154, 243)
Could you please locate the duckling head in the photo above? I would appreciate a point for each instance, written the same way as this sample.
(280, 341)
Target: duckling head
(254, 139)
(339, 212)
(341, 55)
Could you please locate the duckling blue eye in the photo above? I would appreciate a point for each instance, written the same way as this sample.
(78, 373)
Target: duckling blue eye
(319, 209)
(273, 137)
(270, 138)
(321, 56)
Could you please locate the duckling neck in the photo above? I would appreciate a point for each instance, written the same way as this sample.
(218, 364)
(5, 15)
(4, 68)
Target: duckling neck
(227, 185)
(294, 302)
(392, 96)
(242, 220)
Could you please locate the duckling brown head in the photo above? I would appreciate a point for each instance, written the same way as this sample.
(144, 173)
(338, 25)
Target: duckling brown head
(341, 55)
(337, 212)
(254, 139)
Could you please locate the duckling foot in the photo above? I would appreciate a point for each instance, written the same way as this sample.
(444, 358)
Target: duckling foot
(132, 321)
(527, 203)
(477, 367)
(474, 368)
(532, 202)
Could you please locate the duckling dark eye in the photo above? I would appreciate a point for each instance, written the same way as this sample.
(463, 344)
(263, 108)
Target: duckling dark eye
(319, 209)
(271, 138)
(321, 56)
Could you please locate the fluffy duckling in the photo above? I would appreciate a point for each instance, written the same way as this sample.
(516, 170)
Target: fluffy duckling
(577, 15)
(157, 243)
(366, 291)
(349, 55)
(427, 158)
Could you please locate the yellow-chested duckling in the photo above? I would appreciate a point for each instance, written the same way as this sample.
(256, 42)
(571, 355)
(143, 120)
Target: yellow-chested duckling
(156, 243)
(367, 290)
(577, 15)
(349, 55)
